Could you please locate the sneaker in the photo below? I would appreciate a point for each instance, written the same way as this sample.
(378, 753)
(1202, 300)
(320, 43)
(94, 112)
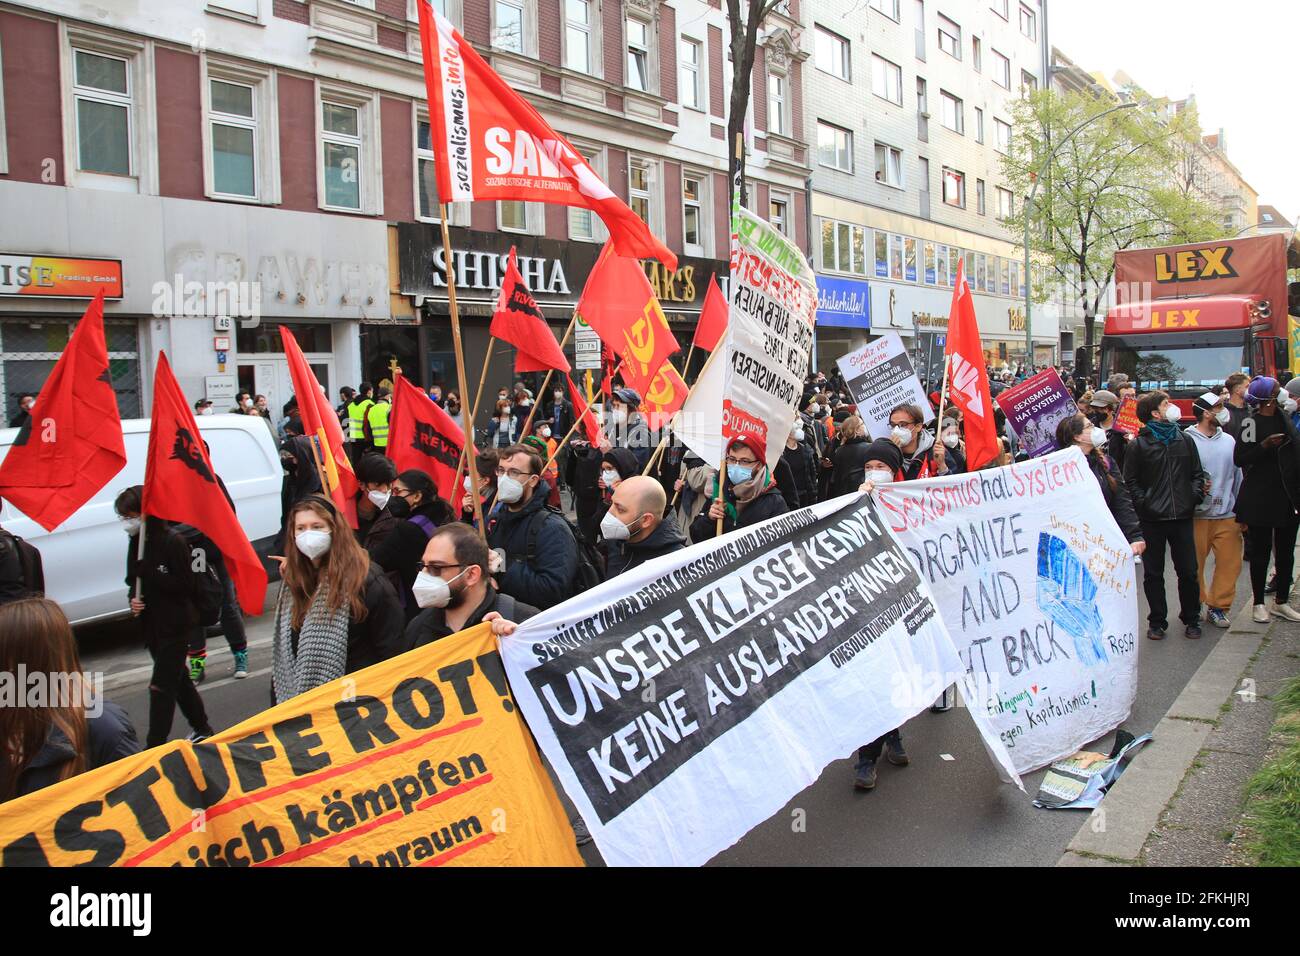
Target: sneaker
(864, 776)
(1260, 614)
(1271, 587)
(581, 835)
(944, 703)
(1217, 617)
(1286, 611)
(1193, 632)
(195, 737)
(241, 664)
(197, 667)
(895, 753)
(1156, 633)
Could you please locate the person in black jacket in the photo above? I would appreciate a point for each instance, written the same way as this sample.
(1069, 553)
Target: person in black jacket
(337, 611)
(13, 586)
(635, 527)
(582, 468)
(799, 456)
(453, 588)
(750, 495)
(43, 742)
(1162, 469)
(1078, 430)
(850, 457)
(541, 553)
(165, 606)
(418, 512)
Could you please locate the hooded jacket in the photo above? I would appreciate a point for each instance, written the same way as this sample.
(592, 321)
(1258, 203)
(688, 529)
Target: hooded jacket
(109, 736)
(767, 504)
(626, 555)
(549, 578)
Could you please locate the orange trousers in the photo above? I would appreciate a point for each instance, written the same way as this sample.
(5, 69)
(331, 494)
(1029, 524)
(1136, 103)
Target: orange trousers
(1222, 537)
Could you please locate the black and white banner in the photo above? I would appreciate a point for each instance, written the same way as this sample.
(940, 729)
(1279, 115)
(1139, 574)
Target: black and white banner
(688, 700)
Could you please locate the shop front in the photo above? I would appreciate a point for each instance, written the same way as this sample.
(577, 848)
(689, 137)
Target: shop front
(843, 319)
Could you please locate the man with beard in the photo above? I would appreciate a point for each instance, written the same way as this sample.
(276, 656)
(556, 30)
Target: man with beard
(453, 590)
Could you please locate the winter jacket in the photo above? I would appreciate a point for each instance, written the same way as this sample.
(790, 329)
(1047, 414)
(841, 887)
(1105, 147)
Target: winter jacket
(399, 553)
(560, 415)
(431, 623)
(12, 585)
(167, 579)
(1270, 490)
(109, 736)
(635, 436)
(920, 464)
(769, 504)
(850, 466)
(783, 475)
(1117, 497)
(581, 472)
(626, 555)
(803, 465)
(380, 635)
(1166, 482)
(698, 478)
(501, 436)
(550, 577)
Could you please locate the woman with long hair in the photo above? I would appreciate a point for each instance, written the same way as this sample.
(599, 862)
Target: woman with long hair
(50, 740)
(502, 428)
(850, 456)
(1090, 439)
(337, 612)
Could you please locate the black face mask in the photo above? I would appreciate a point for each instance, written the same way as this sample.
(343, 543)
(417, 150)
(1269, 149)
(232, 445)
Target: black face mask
(399, 507)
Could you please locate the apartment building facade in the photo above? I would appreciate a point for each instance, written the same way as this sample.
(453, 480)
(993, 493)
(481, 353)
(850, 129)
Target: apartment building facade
(242, 164)
(908, 112)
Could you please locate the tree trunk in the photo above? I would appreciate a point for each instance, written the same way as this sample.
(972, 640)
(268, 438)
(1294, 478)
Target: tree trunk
(744, 38)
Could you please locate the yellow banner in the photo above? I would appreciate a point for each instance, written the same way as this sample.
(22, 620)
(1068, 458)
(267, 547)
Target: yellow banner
(422, 760)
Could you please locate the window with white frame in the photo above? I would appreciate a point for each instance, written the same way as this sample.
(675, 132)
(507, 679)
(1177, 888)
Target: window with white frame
(888, 7)
(1006, 203)
(102, 93)
(638, 55)
(640, 190)
(350, 163)
(512, 215)
(831, 53)
(1002, 131)
(949, 37)
(241, 141)
(776, 105)
(834, 147)
(247, 8)
(954, 187)
(585, 225)
(694, 217)
(951, 112)
(976, 54)
(1002, 8)
(979, 196)
(886, 80)
(1028, 81)
(778, 213)
(428, 202)
(844, 247)
(690, 69)
(979, 125)
(1028, 22)
(578, 16)
(1001, 70)
(508, 25)
(889, 165)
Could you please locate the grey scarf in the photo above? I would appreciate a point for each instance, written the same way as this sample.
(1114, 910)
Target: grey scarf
(322, 646)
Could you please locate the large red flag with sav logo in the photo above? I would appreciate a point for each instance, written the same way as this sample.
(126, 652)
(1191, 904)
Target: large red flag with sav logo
(968, 382)
(519, 320)
(181, 485)
(71, 446)
(490, 143)
(421, 435)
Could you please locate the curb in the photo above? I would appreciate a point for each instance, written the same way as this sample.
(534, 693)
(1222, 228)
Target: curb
(1115, 832)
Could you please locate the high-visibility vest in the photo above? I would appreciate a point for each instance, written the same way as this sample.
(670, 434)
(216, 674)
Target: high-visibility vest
(378, 417)
(357, 418)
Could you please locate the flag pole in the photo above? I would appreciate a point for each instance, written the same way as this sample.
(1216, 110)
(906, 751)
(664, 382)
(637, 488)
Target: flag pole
(528, 422)
(737, 177)
(686, 366)
(462, 463)
(460, 362)
(139, 558)
(577, 420)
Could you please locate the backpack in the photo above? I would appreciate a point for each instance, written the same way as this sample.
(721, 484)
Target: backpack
(589, 562)
(29, 560)
(209, 592)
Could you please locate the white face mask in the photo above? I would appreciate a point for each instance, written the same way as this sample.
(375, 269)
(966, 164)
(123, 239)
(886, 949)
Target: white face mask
(951, 440)
(1098, 437)
(1222, 416)
(468, 483)
(131, 526)
(620, 416)
(879, 476)
(797, 434)
(509, 490)
(614, 530)
(609, 476)
(206, 411)
(312, 543)
(1172, 414)
(901, 435)
(379, 498)
(546, 432)
(1288, 403)
(814, 408)
(433, 591)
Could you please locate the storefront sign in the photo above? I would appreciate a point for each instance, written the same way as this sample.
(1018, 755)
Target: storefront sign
(56, 277)
(843, 303)
(220, 388)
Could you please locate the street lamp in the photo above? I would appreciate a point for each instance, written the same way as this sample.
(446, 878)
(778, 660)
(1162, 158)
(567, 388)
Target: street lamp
(1029, 202)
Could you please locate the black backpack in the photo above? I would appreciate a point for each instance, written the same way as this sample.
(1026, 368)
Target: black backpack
(209, 592)
(589, 561)
(29, 560)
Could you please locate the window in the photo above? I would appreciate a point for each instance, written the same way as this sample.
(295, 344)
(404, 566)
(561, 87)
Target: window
(1002, 130)
(4, 149)
(638, 55)
(952, 114)
(102, 94)
(583, 223)
(888, 7)
(1028, 81)
(640, 194)
(508, 26)
(909, 260)
(886, 80)
(980, 280)
(949, 37)
(776, 104)
(693, 216)
(1006, 203)
(1028, 22)
(895, 257)
(341, 154)
(979, 196)
(1001, 70)
(844, 247)
(233, 129)
(954, 188)
(834, 147)
(941, 252)
(512, 215)
(426, 181)
(976, 54)
(930, 274)
(1005, 275)
(922, 100)
(1001, 8)
(831, 53)
(690, 59)
(881, 248)
(778, 214)
(979, 125)
(577, 35)
(889, 165)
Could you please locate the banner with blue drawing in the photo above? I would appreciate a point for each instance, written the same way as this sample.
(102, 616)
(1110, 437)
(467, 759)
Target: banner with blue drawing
(1036, 585)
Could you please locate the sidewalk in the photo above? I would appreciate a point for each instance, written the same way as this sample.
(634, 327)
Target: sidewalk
(1180, 802)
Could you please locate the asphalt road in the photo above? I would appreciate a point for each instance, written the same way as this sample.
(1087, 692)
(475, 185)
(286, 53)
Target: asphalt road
(946, 808)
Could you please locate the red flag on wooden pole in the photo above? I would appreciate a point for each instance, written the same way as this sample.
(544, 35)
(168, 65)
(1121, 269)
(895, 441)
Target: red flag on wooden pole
(421, 435)
(968, 386)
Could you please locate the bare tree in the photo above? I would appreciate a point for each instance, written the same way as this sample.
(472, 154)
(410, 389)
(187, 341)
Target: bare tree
(745, 19)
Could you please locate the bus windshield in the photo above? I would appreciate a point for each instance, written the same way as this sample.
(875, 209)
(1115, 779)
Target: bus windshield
(1176, 364)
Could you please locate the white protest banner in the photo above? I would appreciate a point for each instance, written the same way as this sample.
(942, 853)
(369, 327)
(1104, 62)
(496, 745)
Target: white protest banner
(759, 375)
(881, 377)
(1035, 582)
(687, 700)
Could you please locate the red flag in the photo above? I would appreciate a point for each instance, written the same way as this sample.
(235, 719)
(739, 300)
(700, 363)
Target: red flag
(620, 305)
(665, 396)
(589, 423)
(180, 485)
(71, 446)
(519, 321)
(968, 383)
(421, 435)
(489, 143)
(320, 424)
(713, 318)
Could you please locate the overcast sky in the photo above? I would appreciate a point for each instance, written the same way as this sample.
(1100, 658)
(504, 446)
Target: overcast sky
(1239, 59)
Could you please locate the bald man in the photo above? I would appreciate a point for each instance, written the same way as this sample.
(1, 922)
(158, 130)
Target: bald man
(635, 528)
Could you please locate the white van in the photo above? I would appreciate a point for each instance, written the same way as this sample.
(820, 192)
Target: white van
(85, 557)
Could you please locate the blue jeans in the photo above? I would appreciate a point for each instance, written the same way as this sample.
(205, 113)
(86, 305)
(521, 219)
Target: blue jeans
(232, 621)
